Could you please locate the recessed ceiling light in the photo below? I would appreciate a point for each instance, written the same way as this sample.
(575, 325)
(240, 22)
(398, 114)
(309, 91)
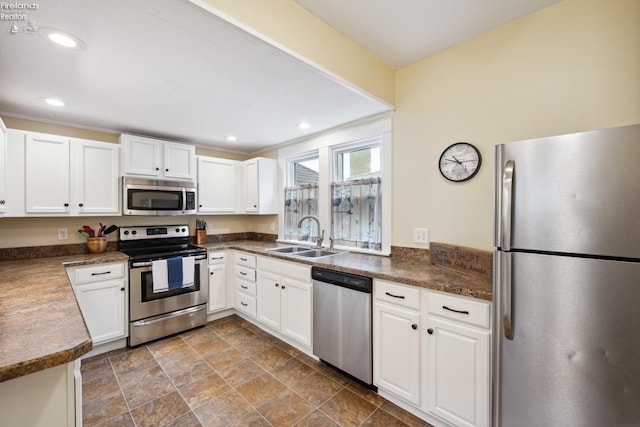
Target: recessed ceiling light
(54, 102)
(304, 125)
(232, 138)
(62, 38)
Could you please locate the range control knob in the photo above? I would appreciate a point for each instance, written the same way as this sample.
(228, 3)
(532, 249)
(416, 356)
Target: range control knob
(134, 232)
(184, 229)
(177, 230)
(126, 233)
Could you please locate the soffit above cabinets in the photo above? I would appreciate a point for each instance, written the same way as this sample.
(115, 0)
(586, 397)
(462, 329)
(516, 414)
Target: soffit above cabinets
(171, 70)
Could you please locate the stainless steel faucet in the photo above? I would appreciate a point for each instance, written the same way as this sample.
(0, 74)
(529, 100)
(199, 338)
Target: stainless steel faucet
(320, 235)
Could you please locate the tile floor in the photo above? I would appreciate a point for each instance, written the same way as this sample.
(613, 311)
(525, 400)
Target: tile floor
(228, 373)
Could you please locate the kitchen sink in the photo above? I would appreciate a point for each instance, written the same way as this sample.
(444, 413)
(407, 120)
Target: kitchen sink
(316, 253)
(289, 249)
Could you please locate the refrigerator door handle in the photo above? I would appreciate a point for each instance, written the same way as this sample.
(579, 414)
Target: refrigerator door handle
(507, 201)
(506, 291)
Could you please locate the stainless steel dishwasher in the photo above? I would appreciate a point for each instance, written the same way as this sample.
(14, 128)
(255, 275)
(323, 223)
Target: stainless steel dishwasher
(342, 322)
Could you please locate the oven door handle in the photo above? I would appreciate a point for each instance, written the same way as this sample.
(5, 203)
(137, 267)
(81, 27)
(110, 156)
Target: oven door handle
(163, 317)
(150, 263)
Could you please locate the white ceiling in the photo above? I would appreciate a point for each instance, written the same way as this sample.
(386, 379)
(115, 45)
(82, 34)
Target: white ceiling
(401, 32)
(171, 70)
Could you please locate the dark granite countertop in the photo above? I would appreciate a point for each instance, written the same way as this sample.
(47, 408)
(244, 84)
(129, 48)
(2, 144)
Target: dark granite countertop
(40, 322)
(407, 270)
(41, 325)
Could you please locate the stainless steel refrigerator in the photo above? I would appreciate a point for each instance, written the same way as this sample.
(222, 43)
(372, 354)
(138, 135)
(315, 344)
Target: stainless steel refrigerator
(567, 281)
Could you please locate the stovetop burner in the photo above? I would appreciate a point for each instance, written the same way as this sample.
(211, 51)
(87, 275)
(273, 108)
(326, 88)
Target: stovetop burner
(157, 242)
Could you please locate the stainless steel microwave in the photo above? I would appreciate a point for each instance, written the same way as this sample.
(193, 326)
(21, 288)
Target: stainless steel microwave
(158, 198)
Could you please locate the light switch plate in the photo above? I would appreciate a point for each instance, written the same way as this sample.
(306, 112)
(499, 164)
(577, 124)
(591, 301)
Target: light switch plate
(421, 235)
(209, 228)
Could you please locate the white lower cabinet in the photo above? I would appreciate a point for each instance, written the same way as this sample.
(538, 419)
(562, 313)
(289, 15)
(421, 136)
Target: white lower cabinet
(432, 351)
(217, 283)
(284, 298)
(101, 292)
(245, 283)
(457, 347)
(396, 341)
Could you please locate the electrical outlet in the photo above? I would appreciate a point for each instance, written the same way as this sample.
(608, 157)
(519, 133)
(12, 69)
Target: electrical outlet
(421, 235)
(63, 234)
(272, 227)
(209, 228)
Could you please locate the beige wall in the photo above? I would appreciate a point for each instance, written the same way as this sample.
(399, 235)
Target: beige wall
(572, 67)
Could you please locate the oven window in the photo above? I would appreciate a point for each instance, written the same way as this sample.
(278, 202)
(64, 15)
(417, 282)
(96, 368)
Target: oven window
(146, 279)
(154, 200)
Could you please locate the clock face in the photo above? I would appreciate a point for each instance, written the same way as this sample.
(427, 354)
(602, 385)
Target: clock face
(460, 162)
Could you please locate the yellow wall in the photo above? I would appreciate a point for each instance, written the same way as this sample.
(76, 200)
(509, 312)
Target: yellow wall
(571, 67)
(292, 28)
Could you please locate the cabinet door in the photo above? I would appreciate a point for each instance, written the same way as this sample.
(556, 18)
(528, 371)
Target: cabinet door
(269, 297)
(216, 185)
(141, 156)
(252, 186)
(217, 288)
(457, 372)
(96, 177)
(47, 182)
(179, 161)
(396, 351)
(103, 308)
(3, 169)
(296, 310)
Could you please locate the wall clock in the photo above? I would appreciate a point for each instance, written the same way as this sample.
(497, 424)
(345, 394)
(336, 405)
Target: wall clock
(460, 162)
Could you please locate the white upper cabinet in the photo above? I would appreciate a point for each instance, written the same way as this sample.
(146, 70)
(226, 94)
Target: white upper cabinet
(260, 185)
(3, 169)
(216, 185)
(57, 175)
(47, 179)
(95, 175)
(153, 158)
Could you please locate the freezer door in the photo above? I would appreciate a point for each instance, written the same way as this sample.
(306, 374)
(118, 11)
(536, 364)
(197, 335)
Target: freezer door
(574, 359)
(577, 193)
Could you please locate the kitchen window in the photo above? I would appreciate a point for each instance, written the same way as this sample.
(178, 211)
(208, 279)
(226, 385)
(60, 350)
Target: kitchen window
(343, 178)
(356, 196)
(301, 197)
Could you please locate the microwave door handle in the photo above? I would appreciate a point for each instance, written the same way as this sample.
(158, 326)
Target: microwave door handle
(184, 199)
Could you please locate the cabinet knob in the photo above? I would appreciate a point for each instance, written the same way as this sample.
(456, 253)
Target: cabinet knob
(255, 206)
(122, 289)
(414, 326)
(2, 202)
(277, 284)
(200, 206)
(430, 331)
(157, 169)
(211, 273)
(166, 170)
(66, 205)
(81, 204)
(282, 286)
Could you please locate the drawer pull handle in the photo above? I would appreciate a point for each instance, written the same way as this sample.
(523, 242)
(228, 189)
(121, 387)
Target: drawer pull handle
(395, 296)
(214, 258)
(244, 303)
(244, 259)
(122, 289)
(244, 287)
(455, 311)
(243, 273)
(100, 274)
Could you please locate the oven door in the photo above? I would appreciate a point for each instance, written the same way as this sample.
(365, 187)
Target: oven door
(144, 303)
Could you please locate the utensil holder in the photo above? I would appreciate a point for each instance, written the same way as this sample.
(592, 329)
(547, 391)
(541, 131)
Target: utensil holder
(96, 245)
(201, 237)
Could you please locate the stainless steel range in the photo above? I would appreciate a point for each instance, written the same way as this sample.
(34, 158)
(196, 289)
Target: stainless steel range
(157, 311)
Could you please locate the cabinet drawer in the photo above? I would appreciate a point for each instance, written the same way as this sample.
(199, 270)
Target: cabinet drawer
(97, 273)
(245, 260)
(246, 287)
(216, 257)
(470, 311)
(245, 303)
(405, 296)
(300, 272)
(245, 273)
